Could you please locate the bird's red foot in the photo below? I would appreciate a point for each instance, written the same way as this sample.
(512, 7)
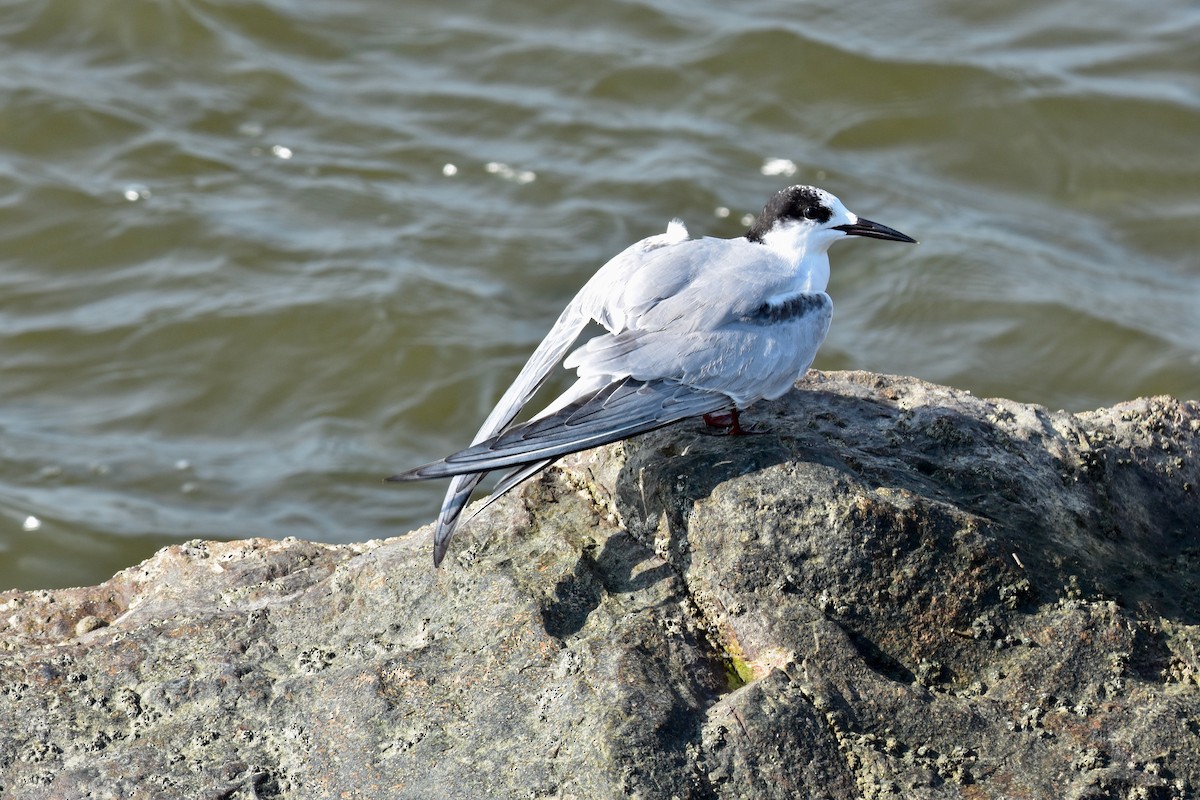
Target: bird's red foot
(728, 424)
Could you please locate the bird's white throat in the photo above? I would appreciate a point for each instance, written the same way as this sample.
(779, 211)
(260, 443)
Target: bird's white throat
(805, 246)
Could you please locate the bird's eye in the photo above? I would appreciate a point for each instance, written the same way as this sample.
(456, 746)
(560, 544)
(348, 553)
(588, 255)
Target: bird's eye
(812, 212)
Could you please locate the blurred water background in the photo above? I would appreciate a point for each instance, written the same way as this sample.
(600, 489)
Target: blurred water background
(257, 254)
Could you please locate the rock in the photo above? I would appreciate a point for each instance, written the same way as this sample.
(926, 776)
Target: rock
(899, 591)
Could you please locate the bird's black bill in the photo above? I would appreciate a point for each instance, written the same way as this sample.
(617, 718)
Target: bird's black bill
(873, 230)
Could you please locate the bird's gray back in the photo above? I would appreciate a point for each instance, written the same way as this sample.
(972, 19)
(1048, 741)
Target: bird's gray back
(699, 282)
(715, 314)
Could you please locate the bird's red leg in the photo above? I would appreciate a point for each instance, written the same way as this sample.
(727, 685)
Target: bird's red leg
(729, 422)
(721, 419)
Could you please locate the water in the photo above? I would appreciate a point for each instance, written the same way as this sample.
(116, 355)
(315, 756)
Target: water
(254, 256)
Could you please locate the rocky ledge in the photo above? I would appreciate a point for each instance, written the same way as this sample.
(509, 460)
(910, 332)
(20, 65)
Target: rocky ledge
(897, 590)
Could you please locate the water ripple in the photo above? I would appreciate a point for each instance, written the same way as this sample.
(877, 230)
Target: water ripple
(301, 297)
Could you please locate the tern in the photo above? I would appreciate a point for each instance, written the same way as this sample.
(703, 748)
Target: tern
(694, 328)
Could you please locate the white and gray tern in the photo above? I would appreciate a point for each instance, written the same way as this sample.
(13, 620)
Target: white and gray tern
(696, 327)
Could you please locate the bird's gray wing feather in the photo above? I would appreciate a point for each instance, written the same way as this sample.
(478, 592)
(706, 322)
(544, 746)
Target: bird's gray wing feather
(456, 499)
(543, 360)
(541, 363)
(618, 411)
(758, 353)
(514, 477)
(510, 481)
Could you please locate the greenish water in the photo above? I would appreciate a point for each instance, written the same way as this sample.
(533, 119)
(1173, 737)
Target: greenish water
(239, 282)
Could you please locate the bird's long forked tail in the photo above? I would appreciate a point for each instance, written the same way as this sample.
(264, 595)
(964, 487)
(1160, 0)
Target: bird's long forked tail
(617, 411)
(457, 497)
(459, 494)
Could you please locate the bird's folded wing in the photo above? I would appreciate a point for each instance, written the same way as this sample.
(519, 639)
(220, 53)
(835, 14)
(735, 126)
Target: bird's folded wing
(620, 410)
(592, 302)
(541, 362)
(532, 376)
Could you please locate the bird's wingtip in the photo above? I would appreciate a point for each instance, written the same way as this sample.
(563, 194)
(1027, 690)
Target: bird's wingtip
(440, 547)
(422, 473)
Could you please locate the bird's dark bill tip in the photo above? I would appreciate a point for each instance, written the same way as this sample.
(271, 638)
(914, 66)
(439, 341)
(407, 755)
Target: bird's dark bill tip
(874, 230)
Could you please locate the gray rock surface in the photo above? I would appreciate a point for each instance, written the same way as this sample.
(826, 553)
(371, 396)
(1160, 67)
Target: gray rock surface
(897, 591)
